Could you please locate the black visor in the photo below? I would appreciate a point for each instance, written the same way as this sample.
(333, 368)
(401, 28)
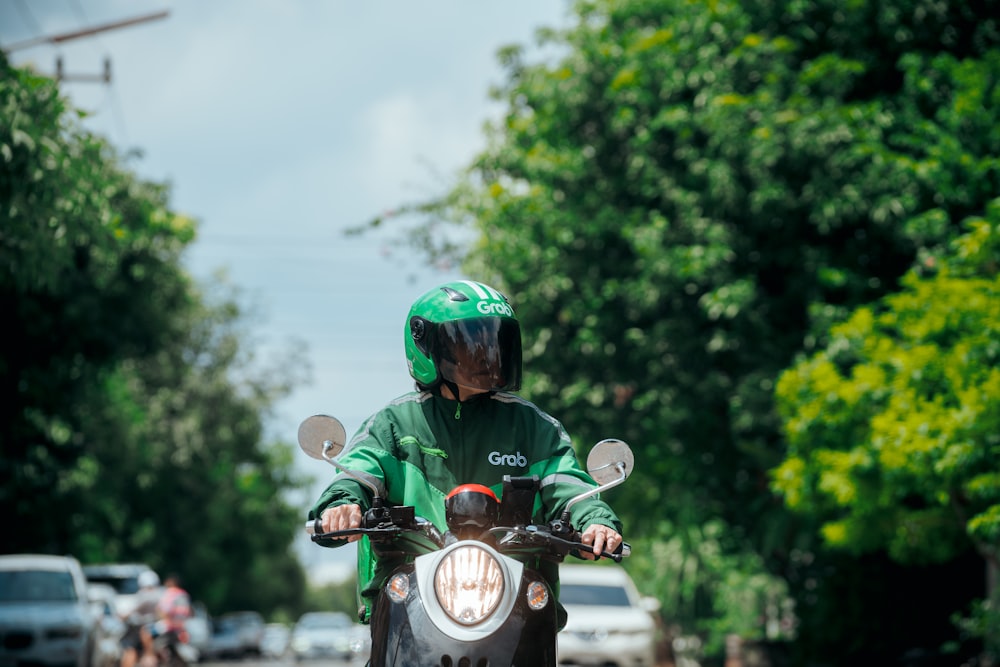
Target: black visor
(482, 353)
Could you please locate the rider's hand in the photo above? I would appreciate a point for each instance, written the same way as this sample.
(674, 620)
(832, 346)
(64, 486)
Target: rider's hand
(342, 517)
(602, 538)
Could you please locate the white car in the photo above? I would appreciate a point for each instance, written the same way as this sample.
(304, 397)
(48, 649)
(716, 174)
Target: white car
(123, 577)
(108, 628)
(199, 629)
(45, 616)
(608, 623)
(275, 640)
(323, 634)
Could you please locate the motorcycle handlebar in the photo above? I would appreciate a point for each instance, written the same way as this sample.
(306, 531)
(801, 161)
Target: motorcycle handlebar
(314, 528)
(315, 531)
(624, 550)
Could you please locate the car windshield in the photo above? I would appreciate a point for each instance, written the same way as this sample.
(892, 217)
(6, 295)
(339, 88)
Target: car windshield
(244, 619)
(226, 627)
(593, 594)
(122, 585)
(312, 621)
(36, 586)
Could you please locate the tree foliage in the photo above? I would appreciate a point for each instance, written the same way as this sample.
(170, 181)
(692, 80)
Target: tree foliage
(894, 428)
(131, 417)
(686, 197)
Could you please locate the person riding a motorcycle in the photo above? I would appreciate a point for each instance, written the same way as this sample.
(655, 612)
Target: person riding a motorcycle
(173, 609)
(135, 641)
(462, 425)
(156, 624)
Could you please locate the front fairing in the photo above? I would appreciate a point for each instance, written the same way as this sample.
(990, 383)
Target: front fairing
(418, 631)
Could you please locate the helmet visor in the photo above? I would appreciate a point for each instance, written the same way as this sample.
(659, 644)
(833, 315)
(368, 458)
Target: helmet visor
(482, 353)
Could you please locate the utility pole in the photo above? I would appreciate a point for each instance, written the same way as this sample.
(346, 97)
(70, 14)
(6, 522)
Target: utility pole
(104, 77)
(61, 75)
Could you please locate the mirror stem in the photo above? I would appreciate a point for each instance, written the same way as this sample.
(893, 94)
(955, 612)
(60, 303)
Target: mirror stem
(593, 492)
(376, 498)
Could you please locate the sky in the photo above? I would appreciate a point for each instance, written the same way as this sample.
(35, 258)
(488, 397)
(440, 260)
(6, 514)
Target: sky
(280, 124)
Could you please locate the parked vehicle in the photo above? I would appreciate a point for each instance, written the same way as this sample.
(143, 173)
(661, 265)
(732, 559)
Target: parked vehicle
(361, 642)
(609, 623)
(108, 628)
(275, 640)
(322, 634)
(199, 630)
(250, 628)
(466, 599)
(123, 577)
(225, 642)
(45, 616)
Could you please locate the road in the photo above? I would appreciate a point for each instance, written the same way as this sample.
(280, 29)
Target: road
(282, 662)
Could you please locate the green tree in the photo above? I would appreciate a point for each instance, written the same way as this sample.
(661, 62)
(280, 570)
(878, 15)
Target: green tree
(131, 416)
(685, 198)
(894, 428)
(89, 276)
(180, 436)
(335, 596)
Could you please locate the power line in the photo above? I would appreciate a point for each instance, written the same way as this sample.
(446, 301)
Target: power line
(27, 16)
(117, 113)
(84, 32)
(78, 8)
(82, 16)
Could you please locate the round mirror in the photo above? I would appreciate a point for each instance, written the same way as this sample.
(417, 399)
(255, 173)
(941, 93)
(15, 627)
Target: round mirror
(608, 459)
(317, 431)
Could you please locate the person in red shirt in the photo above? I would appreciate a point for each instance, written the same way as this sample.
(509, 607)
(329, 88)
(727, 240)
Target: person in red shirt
(135, 643)
(173, 609)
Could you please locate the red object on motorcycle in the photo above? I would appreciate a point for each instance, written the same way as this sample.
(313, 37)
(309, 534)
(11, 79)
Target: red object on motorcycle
(471, 507)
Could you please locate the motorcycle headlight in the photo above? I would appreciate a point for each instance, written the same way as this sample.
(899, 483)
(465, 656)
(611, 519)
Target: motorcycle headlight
(469, 583)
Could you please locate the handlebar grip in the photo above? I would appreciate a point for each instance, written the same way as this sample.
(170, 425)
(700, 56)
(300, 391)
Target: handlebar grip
(623, 551)
(313, 526)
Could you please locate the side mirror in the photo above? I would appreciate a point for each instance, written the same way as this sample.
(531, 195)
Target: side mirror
(610, 461)
(322, 437)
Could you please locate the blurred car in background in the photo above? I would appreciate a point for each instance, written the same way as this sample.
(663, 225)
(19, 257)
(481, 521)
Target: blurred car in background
(250, 628)
(199, 629)
(361, 641)
(323, 634)
(224, 643)
(108, 628)
(275, 640)
(123, 577)
(45, 616)
(609, 623)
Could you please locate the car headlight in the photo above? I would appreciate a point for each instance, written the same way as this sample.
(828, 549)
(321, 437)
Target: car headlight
(469, 583)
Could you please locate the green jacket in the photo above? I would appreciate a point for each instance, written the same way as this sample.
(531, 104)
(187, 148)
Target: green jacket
(421, 446)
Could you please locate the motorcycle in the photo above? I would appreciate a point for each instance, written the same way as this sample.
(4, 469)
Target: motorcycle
(475, 595)
(169, 650)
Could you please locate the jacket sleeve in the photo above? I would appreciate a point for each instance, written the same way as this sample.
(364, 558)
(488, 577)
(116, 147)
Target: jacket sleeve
(562, 479)
(367, 457)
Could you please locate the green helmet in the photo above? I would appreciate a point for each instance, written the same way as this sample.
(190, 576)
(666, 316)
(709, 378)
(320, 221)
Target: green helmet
(465, 333)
